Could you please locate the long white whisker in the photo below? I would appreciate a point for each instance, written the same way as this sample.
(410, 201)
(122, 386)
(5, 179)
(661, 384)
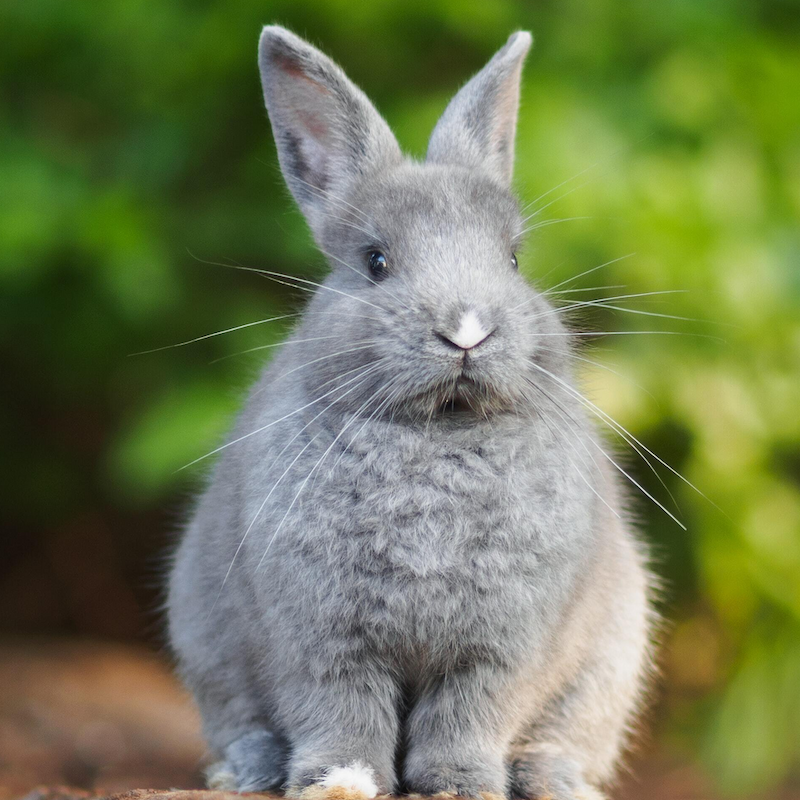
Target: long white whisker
(364, 376)
(216, 333)
(548, 293)
(632, 443)
(394, 392)
(279, 344)
(569, 180)
(640, 487)
(347, 372)
(563, 183)
(366, 346)
(546, 223)
(314, 312)
(262, 428)
(340, 201)
(280, 277)
(372, 235)
(637, 485)
(597, 301)
(563, 415)
(589, 271)
(364, 275)
(599, 365)
(621, 429)
(260, 509)
(573, 334)
(313, 470)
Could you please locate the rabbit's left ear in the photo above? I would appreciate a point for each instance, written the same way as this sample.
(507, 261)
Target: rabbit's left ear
(327, 132)
(477, 128)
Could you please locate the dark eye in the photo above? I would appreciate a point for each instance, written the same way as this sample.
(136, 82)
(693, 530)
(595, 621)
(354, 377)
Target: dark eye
(377, 264)
(514, 261)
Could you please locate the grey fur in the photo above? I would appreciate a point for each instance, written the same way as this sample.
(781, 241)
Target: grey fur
(406, 557)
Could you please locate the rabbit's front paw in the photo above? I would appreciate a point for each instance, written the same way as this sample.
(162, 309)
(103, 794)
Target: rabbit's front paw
(255, 762)
(546, 773)
(352, 782)
(455, 780)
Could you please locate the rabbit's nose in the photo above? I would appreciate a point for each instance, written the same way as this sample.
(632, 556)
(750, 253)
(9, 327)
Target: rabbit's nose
(470, 332)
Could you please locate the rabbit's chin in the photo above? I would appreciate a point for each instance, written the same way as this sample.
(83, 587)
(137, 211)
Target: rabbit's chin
(462, 397)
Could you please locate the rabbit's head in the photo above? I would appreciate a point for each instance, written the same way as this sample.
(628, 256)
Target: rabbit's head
(424, 305)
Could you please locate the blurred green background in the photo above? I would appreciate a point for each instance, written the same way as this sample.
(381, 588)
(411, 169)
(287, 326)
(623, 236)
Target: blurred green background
(134, 147)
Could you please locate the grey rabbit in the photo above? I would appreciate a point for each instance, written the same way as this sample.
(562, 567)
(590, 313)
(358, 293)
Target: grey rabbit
(412, 569)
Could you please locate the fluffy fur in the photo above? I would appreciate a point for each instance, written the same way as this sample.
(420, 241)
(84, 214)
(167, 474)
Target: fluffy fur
(410, 569)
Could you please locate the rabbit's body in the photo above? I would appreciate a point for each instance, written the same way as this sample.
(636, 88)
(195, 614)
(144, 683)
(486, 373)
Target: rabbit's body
(397, 579)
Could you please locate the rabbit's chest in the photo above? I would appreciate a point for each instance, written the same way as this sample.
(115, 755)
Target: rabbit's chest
(433, 554)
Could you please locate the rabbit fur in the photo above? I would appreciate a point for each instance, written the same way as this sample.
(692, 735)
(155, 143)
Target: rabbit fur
(411, 568)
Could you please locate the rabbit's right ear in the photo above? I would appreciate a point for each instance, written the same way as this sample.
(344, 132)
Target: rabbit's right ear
(478, 126)
(327, 132)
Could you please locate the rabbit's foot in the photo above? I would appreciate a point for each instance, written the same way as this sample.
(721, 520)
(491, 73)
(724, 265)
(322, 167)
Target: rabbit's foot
(451, 796)
(590, 794)
(545, 772)
(447, 781)
(353, 782)
(255, 762)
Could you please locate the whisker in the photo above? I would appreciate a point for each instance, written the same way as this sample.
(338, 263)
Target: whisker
(328, 195)
(280, 277)
(563, 183)
(364, 275)
(260, 509)
(364, 377)
(342, 374)
(365, 346)
(609, 420)
(548, 293)
(637, 484)
(216, 333)
(546, 223)
(349, 224)
(601, 304)
(642, 456)
(262, 428)
(313, 312)
(585, 303)
(578, 438)
(599, 365)
(273, 344)
(394, 392)
(589, 271)
(573, 334)
(308, 477)
(569, 180)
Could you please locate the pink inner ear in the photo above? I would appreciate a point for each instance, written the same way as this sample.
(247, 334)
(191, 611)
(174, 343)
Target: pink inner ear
(314, 124)
(504, 115)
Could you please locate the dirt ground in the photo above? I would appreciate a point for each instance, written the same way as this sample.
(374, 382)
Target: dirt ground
(104, 719)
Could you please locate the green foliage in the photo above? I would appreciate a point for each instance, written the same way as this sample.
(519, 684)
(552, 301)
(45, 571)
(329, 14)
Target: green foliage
(134, 149)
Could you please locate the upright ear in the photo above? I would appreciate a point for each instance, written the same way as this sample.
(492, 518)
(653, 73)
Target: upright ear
(477, 128)
(327, 132)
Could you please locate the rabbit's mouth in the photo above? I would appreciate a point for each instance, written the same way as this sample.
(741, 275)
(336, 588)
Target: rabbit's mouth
(467, 395)
(462, 398)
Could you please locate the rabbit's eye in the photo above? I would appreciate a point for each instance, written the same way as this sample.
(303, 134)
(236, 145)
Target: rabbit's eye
(514, 261)
(377, 264)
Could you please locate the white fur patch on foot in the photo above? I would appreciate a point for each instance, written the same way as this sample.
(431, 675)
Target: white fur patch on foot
(220, 777)
(590, 794)
(355, 778)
